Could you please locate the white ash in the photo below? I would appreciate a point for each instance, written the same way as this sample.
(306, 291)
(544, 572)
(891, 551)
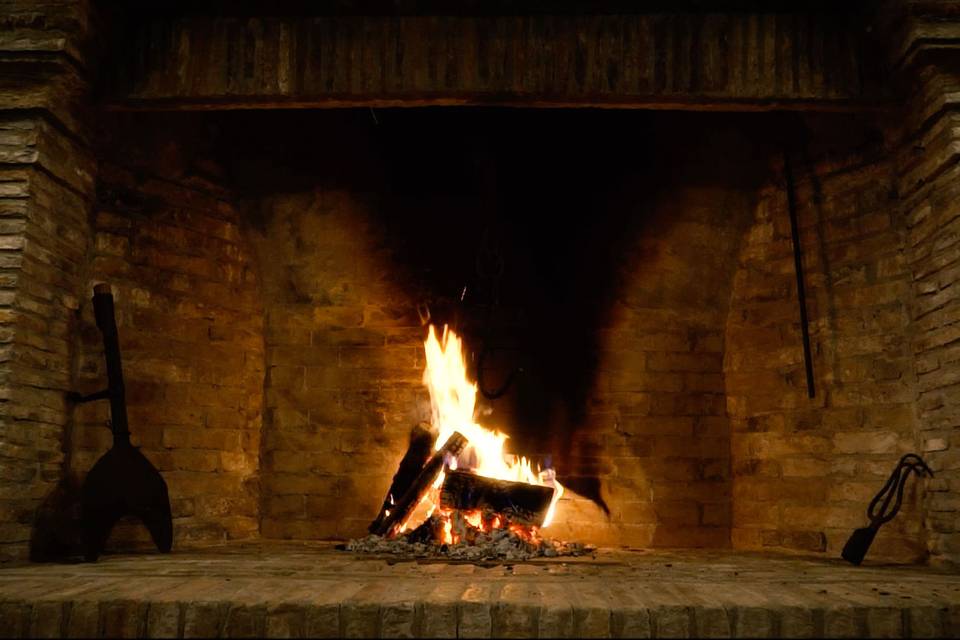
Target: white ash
(497, 544)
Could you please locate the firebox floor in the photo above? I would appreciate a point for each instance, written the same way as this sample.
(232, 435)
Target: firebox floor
(314, 590)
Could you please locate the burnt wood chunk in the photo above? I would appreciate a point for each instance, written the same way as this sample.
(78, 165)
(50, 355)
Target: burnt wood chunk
(518, 501)
(418, 452)
(412, 496)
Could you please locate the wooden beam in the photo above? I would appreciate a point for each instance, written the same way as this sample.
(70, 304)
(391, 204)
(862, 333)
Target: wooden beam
(694, 61)
(372, 102)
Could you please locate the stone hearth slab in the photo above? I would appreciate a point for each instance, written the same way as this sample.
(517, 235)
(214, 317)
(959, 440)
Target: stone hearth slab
(316, 591)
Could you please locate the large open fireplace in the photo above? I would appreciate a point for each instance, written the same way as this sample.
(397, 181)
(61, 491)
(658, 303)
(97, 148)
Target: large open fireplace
(550, 318)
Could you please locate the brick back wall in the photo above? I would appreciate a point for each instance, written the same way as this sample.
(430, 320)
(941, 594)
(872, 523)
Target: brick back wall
(344, 369)
(657, 430)
(804, 469)
(344, 365)
(191, 340)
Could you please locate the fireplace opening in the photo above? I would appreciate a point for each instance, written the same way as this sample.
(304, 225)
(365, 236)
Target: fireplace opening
(528, 231)
(277, 271)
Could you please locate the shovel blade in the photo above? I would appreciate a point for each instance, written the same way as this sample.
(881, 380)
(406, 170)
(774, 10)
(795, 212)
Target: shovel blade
(858, 545)
(123, 482)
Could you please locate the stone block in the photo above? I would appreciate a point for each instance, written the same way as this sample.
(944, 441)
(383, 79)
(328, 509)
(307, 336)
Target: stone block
(46, 620)
(867, 442)
(841, 622)
(84, 619)
(715, 515)
(286, 376)
(925, 622)
(630, 621)
(515, 619)
(203, 619)
(285, 621)
(796, 622)
(163, 620)
(805, 467)
(191, 460)
(245, 622)
(804, 540)
(555, 620)
(711, 622)
(474, 618)
(672, 622)
(438, 611)
(397, 620)
(299, 529)
(753, 622)
(884, 623)
(123, 619)
(516, 613)
(285, 506)
(951, 619)
(323, 621)
(592, 612)
(677, 512)
(15, 619)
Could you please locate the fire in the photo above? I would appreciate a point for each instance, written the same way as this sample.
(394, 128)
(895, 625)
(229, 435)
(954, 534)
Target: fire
(453, 403)
(453, 528)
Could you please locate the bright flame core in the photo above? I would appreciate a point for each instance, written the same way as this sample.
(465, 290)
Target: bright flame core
(453, 401)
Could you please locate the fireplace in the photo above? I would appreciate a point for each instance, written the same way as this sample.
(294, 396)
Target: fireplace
(608, 271)
(697, 262)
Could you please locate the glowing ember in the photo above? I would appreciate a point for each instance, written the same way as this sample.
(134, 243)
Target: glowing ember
(453, 402)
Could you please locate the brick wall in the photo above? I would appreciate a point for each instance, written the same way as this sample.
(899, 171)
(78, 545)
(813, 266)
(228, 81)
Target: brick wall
(804, 469)
(656, 429)
(929, 188)
(344, 365)
(191, 339)
(46, 187)
(44, 216)
(698, 420)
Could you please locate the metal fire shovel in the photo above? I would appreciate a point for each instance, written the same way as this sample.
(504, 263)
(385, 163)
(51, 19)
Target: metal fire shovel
(122, 482)
(860, 540)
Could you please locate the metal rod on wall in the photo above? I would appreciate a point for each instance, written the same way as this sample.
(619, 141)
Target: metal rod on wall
(798, 269)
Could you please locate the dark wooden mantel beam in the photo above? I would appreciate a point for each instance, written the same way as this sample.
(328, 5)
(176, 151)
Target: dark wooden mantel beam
(729, 61)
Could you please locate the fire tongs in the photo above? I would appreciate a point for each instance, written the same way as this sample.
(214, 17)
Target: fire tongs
(861, 539)
(122, 482)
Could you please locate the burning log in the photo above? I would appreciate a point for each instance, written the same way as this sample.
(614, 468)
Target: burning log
(518, 501)
(418, 452)
(419, 487)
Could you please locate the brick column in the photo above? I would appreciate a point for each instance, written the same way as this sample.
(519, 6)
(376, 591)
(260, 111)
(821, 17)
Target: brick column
(926, 60)
(46, 187)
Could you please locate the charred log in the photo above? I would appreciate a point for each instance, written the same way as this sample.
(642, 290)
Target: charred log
(427, 532)
(419, 487)
(517, 501)
(422, 437)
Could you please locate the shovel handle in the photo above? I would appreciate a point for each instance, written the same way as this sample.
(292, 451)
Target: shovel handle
(106, 321)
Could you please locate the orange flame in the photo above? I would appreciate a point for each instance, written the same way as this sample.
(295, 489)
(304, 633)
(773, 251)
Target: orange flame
(453, 402)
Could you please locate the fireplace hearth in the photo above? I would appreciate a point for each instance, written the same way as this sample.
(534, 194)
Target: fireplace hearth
(534, 301)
